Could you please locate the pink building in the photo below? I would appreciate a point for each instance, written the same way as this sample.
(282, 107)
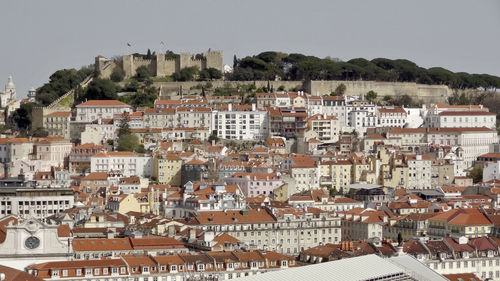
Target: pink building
(254, 184)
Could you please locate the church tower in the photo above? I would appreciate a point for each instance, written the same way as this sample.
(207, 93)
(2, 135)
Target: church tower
(32, 95)
(10, 89)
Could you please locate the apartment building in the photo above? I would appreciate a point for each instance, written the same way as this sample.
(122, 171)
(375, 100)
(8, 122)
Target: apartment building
(324, 128)
(240, 122)
(128, 163)
(284, 230)
(57, 124)
(91, 110)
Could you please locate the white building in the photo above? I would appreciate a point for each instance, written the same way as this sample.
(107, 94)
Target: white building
(391, 117)
(100, 109)
(241, 122)
(19, 198)
(9, 94)
(473, 141)
(491, 170)
(450, 119)
(193, 117)
(414, 117)
(419, 173)
(129, 163)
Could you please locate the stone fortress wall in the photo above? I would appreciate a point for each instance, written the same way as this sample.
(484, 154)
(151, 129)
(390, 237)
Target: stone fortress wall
(427, 93)
(160, 66)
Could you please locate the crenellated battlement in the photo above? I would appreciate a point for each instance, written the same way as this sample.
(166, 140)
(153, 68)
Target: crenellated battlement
(159, 66)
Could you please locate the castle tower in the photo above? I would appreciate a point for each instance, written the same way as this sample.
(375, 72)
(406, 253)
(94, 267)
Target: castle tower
(32, 95)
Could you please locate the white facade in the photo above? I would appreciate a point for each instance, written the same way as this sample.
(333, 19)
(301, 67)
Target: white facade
(419, 173)
(491, 170)
(414, 117)
(455, 119)
(473, 141)
(240, 123)
(128, 163)
(100, 109)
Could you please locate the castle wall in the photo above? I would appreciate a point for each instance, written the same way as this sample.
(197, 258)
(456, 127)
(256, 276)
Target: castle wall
(426, 93)
(214, 60)
(150, 64)
(128, 66)
(189, 87)
(160, 66)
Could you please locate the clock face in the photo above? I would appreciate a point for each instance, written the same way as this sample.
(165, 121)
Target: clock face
(32, 242)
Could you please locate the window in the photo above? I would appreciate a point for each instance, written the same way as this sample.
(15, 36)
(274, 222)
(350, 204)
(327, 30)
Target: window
(78, 272)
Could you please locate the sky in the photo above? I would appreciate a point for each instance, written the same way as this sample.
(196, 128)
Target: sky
(40, 37)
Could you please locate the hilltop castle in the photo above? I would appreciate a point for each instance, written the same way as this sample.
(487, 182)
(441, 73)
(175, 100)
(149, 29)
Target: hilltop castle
(158, 66)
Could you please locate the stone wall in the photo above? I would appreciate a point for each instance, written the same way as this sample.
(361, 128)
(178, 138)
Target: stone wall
(189, 87)
(426, 93)
(160, 66)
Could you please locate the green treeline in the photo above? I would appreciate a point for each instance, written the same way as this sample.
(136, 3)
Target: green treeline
(272, 65)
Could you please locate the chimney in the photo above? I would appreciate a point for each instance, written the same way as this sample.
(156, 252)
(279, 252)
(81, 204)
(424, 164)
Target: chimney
(171, 231)
(192, 234)
(6, 170)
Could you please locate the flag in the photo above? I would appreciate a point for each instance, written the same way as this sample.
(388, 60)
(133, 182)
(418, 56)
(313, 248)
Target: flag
(128, 44)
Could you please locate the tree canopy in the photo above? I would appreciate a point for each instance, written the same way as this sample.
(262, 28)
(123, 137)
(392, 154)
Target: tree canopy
(271, 65)
(100, 89)
(21, 119)
(60, 82)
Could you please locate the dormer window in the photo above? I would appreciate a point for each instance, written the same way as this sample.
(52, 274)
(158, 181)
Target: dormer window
(88, 271)
(78, 272)
(122, 270)
(172, 268)
(145, 269)
(201, 267)
(283, 263)
(229, 265)
(190, 267)
(55, 273)
(97, 271)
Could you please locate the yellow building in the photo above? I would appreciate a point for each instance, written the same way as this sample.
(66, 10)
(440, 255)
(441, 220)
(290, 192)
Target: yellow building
(335, 174)
(57, 124)
(124, 203)
(281, 193)
(167, 168)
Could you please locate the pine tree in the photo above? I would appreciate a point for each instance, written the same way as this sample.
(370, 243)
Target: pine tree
(148, 55)
(124, 126)
(235, 61)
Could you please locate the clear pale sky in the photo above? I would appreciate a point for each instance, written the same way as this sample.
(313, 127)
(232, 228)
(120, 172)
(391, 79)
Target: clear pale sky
(40, 37)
